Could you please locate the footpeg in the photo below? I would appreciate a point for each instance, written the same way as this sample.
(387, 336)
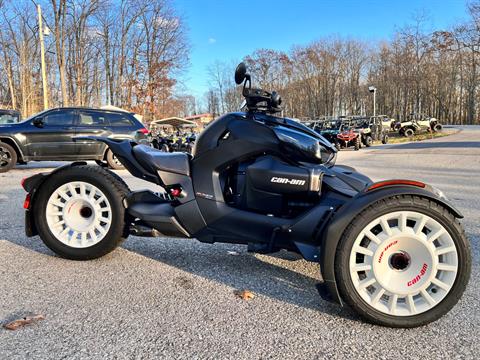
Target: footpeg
(144, 231)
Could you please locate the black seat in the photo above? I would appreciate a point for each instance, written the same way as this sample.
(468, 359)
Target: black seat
(154, 160)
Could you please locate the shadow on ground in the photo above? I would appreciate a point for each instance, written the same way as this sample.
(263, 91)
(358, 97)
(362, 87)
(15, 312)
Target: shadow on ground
(282, 277)
(437, 144)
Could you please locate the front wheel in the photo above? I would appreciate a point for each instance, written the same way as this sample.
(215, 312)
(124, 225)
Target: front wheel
(79, 212)
(403, 262)
(358, 144)
(408, 132)
(368, 141)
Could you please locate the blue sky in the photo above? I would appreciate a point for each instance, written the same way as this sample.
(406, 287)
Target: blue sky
(229, 30)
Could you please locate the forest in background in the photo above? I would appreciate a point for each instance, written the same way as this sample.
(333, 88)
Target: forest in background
(432, 72)
(127, 53)
(132, 54)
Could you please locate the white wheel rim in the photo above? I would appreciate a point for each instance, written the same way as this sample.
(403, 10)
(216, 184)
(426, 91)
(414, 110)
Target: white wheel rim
(403, 263)
(78, 214)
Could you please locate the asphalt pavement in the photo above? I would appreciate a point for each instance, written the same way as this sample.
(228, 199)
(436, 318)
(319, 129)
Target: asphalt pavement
(174, 298)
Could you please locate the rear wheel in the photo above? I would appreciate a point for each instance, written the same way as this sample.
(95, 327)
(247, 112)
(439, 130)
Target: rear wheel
(79, 212)
(8, 157)
(437, 127)
(385, 139)
(113, 162)
(409, 132)
(403, 262)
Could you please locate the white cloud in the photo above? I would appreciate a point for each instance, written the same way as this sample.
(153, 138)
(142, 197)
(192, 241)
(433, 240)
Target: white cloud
(212, 40)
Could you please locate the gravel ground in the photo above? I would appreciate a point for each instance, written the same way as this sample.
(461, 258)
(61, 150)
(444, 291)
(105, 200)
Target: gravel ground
(173, 298)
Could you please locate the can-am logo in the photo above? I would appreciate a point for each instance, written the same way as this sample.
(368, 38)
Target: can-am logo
(417, 278)
(280, 180)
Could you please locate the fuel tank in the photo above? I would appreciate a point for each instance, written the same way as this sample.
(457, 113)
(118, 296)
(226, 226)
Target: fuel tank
(292, 139)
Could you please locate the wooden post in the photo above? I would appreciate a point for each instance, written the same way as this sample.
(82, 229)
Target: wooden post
(42, 52)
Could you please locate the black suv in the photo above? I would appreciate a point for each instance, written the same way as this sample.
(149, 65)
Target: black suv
(48, 136)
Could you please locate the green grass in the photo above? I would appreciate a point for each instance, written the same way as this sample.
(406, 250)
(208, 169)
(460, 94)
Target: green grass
(427, 136)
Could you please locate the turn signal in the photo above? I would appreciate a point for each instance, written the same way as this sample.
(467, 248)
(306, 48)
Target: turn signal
(26, 203)
(144, 131)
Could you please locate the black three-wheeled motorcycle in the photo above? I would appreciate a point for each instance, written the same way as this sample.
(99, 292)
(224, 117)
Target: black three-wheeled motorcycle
(393, 250)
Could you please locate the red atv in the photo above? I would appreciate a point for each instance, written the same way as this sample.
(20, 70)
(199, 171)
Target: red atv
(350, 138)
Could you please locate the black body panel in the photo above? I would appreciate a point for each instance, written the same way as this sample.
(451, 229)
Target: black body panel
(228, 140)
(160, 216)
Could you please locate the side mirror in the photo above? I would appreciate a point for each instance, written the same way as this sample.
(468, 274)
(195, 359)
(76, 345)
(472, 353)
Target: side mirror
(38, 122)
(240, 73)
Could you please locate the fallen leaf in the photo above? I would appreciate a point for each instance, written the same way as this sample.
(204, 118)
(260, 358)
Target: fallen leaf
(244, 294)
(16, 324)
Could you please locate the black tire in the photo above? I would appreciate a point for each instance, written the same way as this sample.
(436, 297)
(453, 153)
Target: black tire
(358, 143)
(408, 132)
(338, 146)
(368, 141)
(402, 203)
(385, 139)
(101, 163)
(113, 162)
(110, 184)
(437, 127)
(8, 157)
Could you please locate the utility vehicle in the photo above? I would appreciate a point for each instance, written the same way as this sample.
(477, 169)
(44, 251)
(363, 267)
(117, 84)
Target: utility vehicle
(371, 129)
(393, 250)
(418, 123)
(330, 129)
(349, 138)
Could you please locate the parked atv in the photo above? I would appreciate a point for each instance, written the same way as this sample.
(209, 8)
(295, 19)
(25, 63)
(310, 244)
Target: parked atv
(393, 250)
(331, 128)
(416, 124)
(371, 129)
(162, 143)
(174, 143)
(350, 138)
(388, 123)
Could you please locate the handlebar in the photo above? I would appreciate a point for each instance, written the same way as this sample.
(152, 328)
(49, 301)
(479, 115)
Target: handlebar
(261, 100)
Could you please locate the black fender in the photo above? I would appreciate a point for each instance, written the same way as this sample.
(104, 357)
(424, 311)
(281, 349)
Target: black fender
(14, 143)
(32, 186)
(347, 212)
